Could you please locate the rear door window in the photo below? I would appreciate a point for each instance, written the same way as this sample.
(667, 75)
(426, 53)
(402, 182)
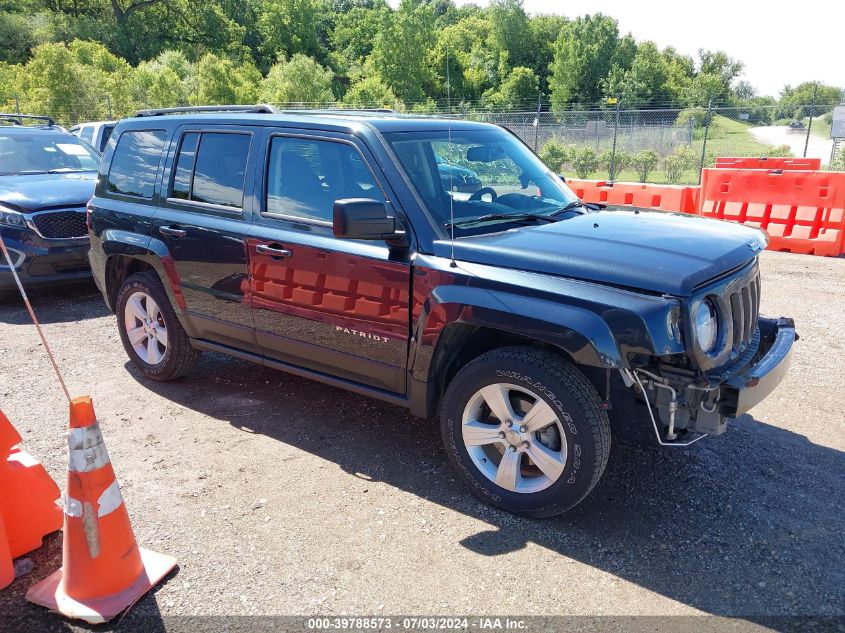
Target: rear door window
(210, 168)
(135, 163)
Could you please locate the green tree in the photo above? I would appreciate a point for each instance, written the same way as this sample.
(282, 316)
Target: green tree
(680, 70)
(473, 68)
(400, 50)
(300, 80)
(187, 25)
(795, 102)
(168, 80)
(508, 30)
(356, 30)
(288, 27)
(644, 162)
(55, 83)
(370, 92)
(583, 55)
(544, 31)
(518, 91)
(220, 81)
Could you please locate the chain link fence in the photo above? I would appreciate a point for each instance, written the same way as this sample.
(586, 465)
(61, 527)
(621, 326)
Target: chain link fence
(610, 141)
(667, 145)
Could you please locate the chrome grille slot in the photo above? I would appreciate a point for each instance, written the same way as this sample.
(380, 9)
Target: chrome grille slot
(755, 302)
(747, 314)
(736, 316)
(745, 305)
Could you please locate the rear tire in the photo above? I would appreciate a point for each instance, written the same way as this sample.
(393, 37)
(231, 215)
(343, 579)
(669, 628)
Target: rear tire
(552, 447)
(150, 331)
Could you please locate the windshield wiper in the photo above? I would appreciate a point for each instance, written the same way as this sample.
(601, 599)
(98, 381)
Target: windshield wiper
(574, 204)
(491, 217)
(68, 170)
(25, 172)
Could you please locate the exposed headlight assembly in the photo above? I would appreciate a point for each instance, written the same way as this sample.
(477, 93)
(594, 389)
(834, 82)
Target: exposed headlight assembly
(706, 325)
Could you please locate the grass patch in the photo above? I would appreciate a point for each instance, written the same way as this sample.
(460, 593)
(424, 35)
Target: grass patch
(821, 127)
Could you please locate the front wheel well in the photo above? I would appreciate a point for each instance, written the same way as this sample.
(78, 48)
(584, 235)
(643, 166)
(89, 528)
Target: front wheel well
(462, 343)
(118, 268)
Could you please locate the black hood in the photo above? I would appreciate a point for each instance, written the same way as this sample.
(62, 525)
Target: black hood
(46, 191)
(649, 250)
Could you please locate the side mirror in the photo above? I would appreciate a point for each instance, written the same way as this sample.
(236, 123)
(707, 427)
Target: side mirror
(363, 219)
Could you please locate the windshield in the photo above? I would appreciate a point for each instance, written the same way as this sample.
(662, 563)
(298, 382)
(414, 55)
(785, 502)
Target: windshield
(481, 173)
(41, 152)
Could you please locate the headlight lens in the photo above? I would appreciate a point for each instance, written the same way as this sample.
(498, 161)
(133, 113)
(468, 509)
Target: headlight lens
(706, 325)
(11, 218)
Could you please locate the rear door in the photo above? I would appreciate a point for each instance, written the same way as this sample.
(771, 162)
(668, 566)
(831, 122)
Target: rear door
(203, 218)
(335, 306)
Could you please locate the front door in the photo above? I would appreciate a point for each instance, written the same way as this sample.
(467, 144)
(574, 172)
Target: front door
(335, 306)
(203, 219)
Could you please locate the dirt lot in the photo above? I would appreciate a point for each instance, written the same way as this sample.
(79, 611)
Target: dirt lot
(281, 496)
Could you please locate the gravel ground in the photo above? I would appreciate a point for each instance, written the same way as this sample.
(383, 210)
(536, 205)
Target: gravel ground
(282, 496)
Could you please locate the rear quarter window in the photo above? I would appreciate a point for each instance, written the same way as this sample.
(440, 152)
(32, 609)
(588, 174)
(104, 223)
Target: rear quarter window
(135, 162)
(210, 168)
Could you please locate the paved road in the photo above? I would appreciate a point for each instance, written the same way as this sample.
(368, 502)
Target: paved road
(780, 135)
(281, 496)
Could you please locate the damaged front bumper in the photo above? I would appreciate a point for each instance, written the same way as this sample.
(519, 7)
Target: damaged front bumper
(742, 392)
(688, 404)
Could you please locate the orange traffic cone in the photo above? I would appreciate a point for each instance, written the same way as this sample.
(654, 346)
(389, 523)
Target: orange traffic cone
(7, 567)
(27, 495)
(103, 570)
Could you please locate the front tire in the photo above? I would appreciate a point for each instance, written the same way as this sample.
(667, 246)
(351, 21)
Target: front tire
(526, 431)
(150, 331)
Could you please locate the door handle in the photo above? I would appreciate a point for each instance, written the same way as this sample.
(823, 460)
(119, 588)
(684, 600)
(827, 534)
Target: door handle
(275, 251)
(172, 232)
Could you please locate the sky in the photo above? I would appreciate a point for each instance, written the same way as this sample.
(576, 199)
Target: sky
(779, 42)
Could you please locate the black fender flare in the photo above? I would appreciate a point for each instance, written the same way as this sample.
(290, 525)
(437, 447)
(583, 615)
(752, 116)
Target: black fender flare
(152, 251)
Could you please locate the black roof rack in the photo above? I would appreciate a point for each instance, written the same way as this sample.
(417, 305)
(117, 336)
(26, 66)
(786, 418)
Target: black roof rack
(339, 111)
(17, 119)
(255, 109)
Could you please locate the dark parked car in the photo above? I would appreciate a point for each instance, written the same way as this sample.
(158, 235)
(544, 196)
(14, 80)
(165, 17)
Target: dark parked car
(46, 178)
(457, 178)
(325, 244)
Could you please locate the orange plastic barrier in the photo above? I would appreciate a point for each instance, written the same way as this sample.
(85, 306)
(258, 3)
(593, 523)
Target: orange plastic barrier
(763, 162)
(802, 211)
(681, 199)
(27, 495)
(7, 568)
(103, 570)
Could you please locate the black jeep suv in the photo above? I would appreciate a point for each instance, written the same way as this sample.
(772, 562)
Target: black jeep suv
(46, 178)
(326, 244)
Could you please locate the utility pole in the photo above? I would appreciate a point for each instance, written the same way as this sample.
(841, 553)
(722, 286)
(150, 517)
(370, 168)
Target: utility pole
(810, 123)
(615, 132)
(706, 131)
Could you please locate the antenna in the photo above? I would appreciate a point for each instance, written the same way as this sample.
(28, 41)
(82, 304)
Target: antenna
(452, 263)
